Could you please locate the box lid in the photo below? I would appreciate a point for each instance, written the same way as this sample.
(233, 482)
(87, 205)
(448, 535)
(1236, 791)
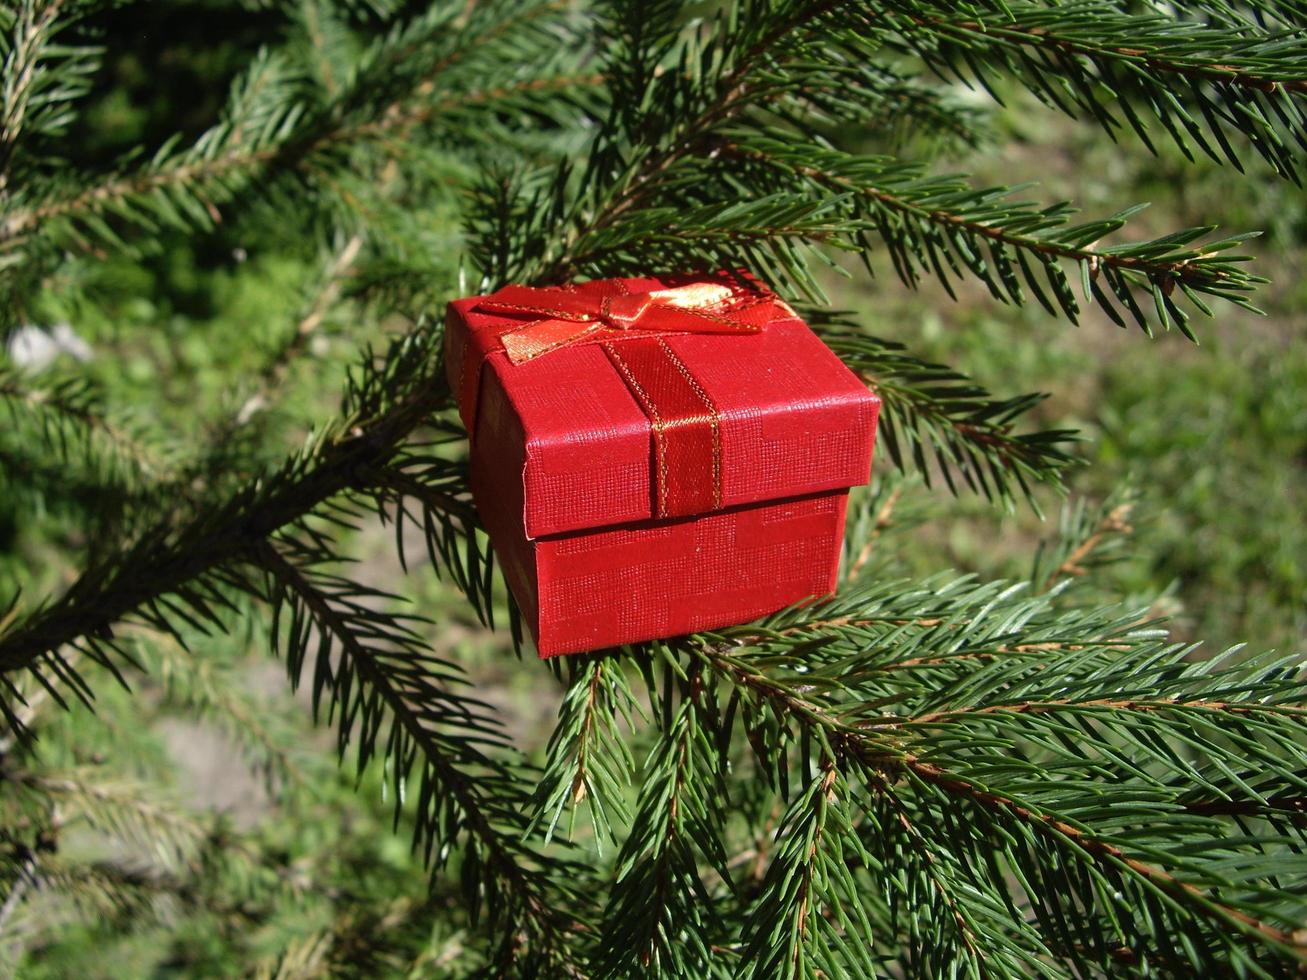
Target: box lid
(791, 417)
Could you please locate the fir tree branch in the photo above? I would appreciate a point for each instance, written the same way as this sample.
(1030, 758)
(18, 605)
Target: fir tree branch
(667, 239)
(1087, 538)
(589, 760)
(1107, 854)
(1196, 80)
(32, 34)
(25, 878)
(1111, 706)
(639, 180)
(811, 919)
(338, 269)
(1258, 14)
(1293, 807)
(39, 78)
(941, 423)
(123, 892)
(1099, 33)
(1009, 944)
(199, 685)
(839, 737)
(384, 672)
(904, 111)
(97, 491)
(125, 809)
(269, 132)
(304, 958)
(389, 401)
(30, 705)
(1041, 788)
(883, 519)
(1004, 738)
(942, 225)
(104, 890)
(214, 180)
(68, 411)
(659, 914)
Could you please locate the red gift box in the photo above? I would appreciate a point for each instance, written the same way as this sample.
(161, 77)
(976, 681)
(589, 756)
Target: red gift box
(652, 457)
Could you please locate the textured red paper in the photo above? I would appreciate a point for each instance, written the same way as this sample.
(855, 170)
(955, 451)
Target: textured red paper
(562, 474)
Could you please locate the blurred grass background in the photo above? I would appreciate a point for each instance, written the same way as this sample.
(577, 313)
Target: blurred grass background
(1213, 438)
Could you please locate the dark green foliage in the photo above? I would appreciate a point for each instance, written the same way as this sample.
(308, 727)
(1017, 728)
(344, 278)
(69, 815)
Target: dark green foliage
(925, 776)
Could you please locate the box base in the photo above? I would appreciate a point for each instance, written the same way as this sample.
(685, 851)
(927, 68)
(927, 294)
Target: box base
(587, 590)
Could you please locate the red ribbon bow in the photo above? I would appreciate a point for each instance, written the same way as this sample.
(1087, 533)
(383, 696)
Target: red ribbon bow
(684, 421)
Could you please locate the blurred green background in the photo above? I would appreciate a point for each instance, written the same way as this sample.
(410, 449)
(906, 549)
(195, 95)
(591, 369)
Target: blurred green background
(1211, 438)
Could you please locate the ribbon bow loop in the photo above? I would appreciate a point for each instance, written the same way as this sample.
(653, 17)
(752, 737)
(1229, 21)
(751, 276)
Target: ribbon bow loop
(604, 310)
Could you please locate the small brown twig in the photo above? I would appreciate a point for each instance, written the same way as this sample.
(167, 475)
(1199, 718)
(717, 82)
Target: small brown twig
(1115, 521)
(884, 517)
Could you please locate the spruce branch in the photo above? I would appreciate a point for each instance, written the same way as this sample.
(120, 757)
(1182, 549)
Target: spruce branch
(304, 958)
(32, 482)
(39, 78)
(1149, 878)
(881, 513)
(1087, 538)
(1200, 82)
(68, 413)
(25, 877)
(118, 893)
(589, 760)
(181, 569)
(372, 941)
(1052, 829)
(989, 940)
(168, 848)
(770, 234)
(385, 677)
(811, 919)
(125, 889)
(1013, 745)
(192, 190)
(32, 31)
(939, 422)
(903, 110)
(66, 449)
(270, 131)
(339, 267)
(659, 914)
(941, 225)
(1259, 14)
(210, 691)
(710, 161)
(127, 810)
(626, 174)
(948, 742)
